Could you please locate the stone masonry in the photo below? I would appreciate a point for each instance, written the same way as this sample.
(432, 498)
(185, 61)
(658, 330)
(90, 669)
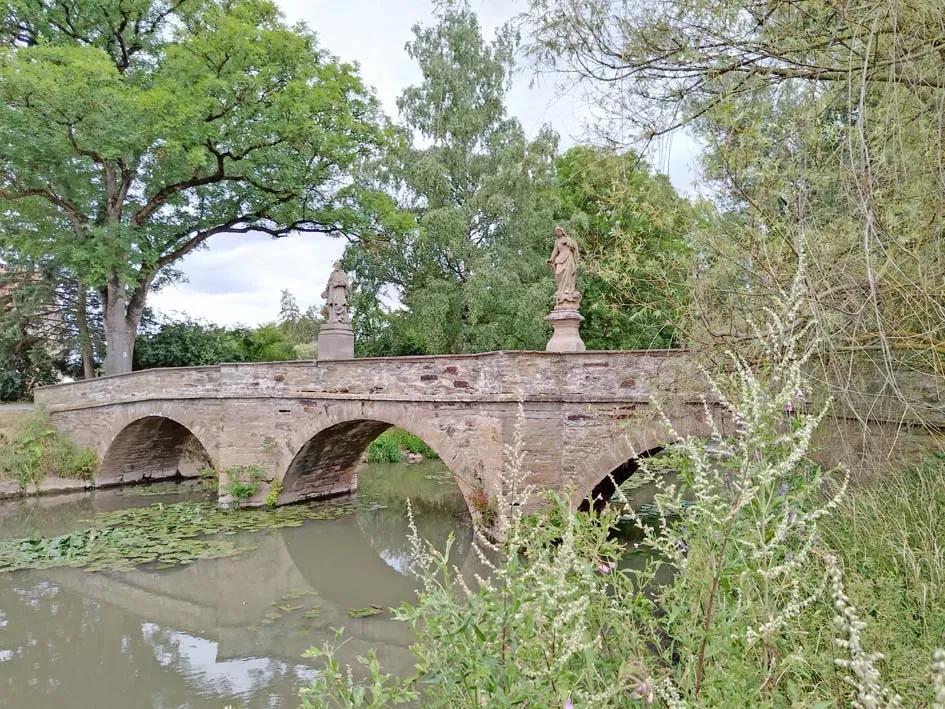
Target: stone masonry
(580, 415)
(577, 417)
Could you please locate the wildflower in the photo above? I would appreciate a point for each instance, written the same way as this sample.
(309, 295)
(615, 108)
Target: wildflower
(789, 408)
(568, 704)
(782, 491)
(644, 690)
(605, 567)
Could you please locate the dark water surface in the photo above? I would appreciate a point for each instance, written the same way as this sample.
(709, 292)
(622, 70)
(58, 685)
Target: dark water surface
(218, 631)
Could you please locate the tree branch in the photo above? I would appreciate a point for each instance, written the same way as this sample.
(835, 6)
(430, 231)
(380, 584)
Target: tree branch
(50, 196)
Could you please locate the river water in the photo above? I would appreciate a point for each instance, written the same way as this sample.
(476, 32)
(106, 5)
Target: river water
(217, 632)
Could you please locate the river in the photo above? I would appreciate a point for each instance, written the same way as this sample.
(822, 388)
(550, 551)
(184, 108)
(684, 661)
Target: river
(216, 631)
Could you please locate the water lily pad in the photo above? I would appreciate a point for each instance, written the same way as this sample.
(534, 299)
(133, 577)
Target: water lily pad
(161, 534)
(365, 612)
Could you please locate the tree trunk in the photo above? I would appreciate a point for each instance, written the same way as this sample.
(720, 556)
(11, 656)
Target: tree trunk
(121, 326)
(85, 339)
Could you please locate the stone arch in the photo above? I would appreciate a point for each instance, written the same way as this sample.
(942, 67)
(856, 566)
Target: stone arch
(326, 457)
(152, 447)
(621, 458)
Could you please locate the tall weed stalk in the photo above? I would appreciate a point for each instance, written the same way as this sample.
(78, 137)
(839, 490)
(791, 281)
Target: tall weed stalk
(756, 612)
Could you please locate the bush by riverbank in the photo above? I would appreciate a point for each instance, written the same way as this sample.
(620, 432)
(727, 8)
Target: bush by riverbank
(32, 449)
(767, 582)
(393, 445)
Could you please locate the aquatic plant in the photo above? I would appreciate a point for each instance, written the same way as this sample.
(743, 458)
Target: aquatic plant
(365, 612)
(165, 534)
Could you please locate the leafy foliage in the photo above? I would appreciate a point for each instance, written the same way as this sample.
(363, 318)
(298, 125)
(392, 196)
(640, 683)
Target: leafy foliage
(384, 450)
(242, 482)
(133, 133)
(189, 343)
(37, 449)
(29, 328)
(798, 106)
(744, 616)
(469, 267)
(635, 233)
(166, 534)
(388, 447)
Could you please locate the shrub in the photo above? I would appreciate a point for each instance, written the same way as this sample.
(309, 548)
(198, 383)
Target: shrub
(275, 487)
(756, 611)
(209, 478)
(37, 449)
(412, 443)
(384, 449)
(242, 482)
(389, 446)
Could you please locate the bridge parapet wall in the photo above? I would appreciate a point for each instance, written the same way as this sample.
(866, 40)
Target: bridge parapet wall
(581, 415)
(494, 376)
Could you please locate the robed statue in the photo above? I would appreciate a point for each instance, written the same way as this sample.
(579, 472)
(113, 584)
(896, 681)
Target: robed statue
(564, 260)
(336, 295)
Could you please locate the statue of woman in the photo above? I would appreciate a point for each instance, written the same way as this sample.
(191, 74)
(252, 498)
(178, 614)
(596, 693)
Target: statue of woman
(336, 295)
(564, 262)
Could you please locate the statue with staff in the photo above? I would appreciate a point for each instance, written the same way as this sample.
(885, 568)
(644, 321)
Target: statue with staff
(336, 295)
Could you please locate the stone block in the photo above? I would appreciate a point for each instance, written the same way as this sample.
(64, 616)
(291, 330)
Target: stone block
(335, 341)
(567, 335)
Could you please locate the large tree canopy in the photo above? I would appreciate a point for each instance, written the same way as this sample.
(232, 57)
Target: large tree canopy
(132, 131)
(822, 123)
(635, 233)
(470, 270)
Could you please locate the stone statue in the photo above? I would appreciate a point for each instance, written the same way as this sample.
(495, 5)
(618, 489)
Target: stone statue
(336, 295)
(563, 260)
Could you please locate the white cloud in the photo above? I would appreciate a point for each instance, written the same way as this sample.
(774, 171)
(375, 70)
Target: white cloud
(239, 279)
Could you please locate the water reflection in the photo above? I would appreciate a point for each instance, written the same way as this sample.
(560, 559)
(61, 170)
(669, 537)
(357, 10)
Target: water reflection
(251, 678)
(221, 630)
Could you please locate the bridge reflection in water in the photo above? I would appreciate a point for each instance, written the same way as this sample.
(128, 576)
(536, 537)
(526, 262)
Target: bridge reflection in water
(218, 630)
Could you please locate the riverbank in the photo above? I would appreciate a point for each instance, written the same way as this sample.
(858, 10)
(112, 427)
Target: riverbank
(35, 459)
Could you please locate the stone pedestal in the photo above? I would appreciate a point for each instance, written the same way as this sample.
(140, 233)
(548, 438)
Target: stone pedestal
(567, 336)
(335, 341)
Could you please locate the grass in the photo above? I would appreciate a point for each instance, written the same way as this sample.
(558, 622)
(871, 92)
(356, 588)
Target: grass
(890, 538)
(390, 446)
(33, 449)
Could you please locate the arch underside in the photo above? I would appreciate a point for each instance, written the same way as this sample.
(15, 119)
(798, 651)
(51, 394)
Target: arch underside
(326, 464)
(152, 448)
(604, 490)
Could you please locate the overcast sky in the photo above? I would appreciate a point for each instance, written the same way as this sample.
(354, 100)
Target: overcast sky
(238, 280)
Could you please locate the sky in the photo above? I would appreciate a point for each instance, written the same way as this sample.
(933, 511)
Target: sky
(238, 279)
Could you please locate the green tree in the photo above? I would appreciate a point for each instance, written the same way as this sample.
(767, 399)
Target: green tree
(133, 132)
(634, 232)
(189, 343)
(300, 329)
(822, 125)
(30, 328)
(469, 271)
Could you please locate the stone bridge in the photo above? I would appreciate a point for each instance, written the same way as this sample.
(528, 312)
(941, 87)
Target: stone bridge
(578, 416)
